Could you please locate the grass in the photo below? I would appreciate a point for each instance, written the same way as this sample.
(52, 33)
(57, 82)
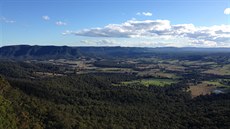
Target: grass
(206, 87)
(167, 75)
(171, 67)
(158, 73)
(201, 89)
(214, 83)
(148, 82)
(224, 70)
(217, 83)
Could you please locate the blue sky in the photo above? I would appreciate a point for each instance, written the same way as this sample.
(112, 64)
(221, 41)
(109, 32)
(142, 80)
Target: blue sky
(139, 23)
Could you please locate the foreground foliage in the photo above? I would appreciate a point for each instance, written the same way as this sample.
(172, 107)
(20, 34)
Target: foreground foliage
(90, 101)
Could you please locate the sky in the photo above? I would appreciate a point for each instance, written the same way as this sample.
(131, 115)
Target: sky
(128, 23)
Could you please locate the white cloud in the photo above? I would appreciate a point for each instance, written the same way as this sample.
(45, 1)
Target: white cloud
(147, 14)
(144, 14)
(105, 42)
(46, 18)
(87, 42)
(102, 42)
(67, 32)
(60, 23)
(227, 11)
(5, 20)
(162, 31)
(131, 28)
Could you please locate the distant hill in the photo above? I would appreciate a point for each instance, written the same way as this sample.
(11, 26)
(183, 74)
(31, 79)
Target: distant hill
(26, 51)
(53, 52)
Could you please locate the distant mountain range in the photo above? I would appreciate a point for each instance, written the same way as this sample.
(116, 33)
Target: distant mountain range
(54, 52)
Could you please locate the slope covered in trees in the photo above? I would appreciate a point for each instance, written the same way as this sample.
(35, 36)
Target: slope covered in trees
(90, 101)
(7, 117)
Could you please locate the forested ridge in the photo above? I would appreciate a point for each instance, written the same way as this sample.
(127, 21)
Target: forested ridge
(22, 52)
(89, 101)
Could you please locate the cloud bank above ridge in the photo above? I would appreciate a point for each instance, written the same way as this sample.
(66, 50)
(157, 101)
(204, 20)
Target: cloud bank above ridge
(218, 35)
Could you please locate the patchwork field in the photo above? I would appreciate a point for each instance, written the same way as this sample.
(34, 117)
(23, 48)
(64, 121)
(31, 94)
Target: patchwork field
(161, 72)
(148, 82)
(207, 87)
(224, 70)
(201, 89)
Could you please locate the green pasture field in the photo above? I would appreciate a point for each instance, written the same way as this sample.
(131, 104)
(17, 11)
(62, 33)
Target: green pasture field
(148, 82)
